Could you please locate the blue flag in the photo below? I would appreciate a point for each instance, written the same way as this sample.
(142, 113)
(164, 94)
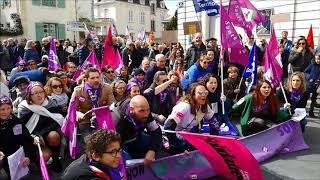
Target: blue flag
(209, 6)
(250, 71)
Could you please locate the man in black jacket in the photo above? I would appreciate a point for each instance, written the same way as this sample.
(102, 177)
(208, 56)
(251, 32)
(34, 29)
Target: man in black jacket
(133, 120)
(194, 52)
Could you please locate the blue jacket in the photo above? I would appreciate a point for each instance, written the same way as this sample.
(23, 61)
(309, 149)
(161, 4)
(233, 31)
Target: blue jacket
(83, 54)
(31, 54)
(312, 71)
(196, 72)
(33, 75)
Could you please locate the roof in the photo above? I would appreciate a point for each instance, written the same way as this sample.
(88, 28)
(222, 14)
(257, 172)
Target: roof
(147, 2)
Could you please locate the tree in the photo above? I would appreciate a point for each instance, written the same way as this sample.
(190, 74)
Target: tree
(173, 23)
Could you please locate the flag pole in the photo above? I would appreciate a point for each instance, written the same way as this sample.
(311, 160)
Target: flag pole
(285, 97)
(222, 89)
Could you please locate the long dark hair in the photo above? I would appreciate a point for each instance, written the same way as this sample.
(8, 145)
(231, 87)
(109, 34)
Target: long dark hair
(258, 97)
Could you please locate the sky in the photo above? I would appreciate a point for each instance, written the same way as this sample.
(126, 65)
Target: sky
(171, 5)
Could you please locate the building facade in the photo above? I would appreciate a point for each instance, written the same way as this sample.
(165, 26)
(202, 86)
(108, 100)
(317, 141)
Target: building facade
(296, 18)
(40, 18)
(138, 15)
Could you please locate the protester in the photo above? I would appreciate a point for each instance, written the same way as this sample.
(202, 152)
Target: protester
(300, 56)
(57, 91)
(160, 65)
(3, 84)
(145, 64)
(119, 88)
(199, 69)
(122, 73)
(31, 52)
(20, 66)
(131, 125)
(139, 78)
(296, 94)
(85, 50)
(259, 109)
(194, 52)
(187, 116)
(233, 89)
(101, 161)
(44, 61)
(72, 68)
(312, 74)
(43, 118)
(108, 74)
(286, 42)
(13, 135)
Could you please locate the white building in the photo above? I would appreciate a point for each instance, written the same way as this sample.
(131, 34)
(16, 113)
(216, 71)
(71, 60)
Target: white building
(40, 18)
(136, 14)
(301, 14)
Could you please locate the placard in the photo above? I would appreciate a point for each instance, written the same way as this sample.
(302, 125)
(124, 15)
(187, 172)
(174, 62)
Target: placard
(191, 27)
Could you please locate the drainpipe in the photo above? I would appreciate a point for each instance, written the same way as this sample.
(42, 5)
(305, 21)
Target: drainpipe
(294, 20)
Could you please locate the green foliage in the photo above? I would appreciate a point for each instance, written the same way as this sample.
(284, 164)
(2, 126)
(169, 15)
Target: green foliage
(173, 23)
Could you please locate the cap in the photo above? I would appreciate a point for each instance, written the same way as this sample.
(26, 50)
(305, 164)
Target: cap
(21, 80)
(211, 39)
(45, 57)
(139, 71)
(5, 100)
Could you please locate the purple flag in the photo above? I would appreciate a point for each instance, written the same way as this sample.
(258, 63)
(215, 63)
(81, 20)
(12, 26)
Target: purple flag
(272, 68)
(243, 14)
(104, 118)
(91, 59)
(43, 166)
(70, 128)
(231, 39)
(53, 61)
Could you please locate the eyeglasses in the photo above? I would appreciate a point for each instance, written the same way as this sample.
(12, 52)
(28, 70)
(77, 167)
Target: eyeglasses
(37, 93)
(203, 93)
(205, 62)
(108, 72)
(57, 86)
(113, 153)
(301, 43)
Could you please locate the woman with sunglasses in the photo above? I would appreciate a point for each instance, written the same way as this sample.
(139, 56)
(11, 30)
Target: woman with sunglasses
(300, 55)
(108, 74)
(199, 69)
(42, 117)
(58, 91)
(187, 116)
(101, 161)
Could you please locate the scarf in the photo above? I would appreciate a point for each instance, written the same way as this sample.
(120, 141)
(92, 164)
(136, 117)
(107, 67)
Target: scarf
(140, 83)
(114, 173)
(93, 94)
(295, 96)
(62, 99)
(40, 110)
(137, 126)
(163, 96)
(262, 106)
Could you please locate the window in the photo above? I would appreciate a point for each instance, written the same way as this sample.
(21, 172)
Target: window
(153, 8)
(142, 17)
(52, 3)
(49, 29)
(130, 16)
(162, 4)
(143, 2)
(130, 1)
(153, 25)
(8, 25)
(106, 13)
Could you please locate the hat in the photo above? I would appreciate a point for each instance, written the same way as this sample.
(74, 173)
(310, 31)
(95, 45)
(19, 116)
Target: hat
(45, 57)
(138, 71)
(211, 39)
(30, 60)
(5, 100)
(21, 80)
(31, 85)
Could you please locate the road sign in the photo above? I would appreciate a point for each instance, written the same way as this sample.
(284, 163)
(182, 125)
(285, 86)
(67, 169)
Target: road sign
(76, 26)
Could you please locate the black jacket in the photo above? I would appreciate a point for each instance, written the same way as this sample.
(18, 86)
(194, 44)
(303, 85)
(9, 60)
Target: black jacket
(14, 134)
(192, 56)
(79, 170)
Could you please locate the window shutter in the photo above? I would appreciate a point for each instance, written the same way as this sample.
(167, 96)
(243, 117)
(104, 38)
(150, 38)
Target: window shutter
(36, 2)
(61, 31)
(39, 31)
(61, 3)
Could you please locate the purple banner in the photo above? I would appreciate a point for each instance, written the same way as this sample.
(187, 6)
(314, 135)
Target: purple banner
(283, 138)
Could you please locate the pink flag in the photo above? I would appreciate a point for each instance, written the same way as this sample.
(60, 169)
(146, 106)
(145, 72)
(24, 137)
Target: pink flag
(111, 54)
(272, 66)
(243, 14)
(53, 61)
(91, 59)
(70, 128)
(43, 166)
(229, 158)
(104, 119)
(231, 39)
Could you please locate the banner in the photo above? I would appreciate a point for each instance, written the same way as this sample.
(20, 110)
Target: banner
(209, 6)
(283, 138)
(251, 69)
(104, 118)
(53, 61)
(91, 60)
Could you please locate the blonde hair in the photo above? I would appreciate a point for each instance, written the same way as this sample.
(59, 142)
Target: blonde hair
(303, 86)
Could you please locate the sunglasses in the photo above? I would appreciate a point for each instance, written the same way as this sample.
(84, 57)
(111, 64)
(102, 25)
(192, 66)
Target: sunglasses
(201, 93)
(57, 86)
(205, 62)
(301, 43)
(108, 72)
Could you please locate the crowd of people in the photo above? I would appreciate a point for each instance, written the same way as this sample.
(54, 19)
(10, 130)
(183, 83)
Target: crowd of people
(159, 89)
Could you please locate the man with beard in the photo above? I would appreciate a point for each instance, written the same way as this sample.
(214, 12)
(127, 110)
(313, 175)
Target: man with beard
(131, 125)
(194, 52)
(91, 94)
